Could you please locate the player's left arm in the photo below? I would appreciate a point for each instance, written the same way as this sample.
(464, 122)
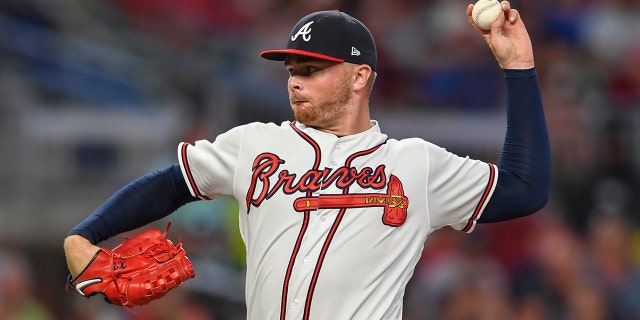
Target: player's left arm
(140, 202)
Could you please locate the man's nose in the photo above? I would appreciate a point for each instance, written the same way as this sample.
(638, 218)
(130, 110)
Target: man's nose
(294, 83)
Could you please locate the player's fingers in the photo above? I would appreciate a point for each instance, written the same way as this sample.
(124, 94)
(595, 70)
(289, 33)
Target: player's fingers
(469, 13)
(506, 5)
(513, 15)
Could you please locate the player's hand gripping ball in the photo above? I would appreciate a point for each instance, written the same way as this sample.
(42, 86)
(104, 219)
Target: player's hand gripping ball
(139, 270)
(485, 12)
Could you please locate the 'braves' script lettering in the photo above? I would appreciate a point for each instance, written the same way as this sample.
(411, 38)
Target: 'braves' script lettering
(267, 165)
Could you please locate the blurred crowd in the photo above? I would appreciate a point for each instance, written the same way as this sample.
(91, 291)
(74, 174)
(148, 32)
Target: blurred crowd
(576, 259)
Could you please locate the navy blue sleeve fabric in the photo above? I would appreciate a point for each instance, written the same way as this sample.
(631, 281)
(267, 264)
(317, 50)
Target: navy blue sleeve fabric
(142, 201)
(524, 171)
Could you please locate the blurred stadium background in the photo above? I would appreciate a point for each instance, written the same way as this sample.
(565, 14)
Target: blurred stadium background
(97, 93)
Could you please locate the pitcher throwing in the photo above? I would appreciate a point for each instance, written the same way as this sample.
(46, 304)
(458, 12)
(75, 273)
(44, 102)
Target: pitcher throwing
(334, 214)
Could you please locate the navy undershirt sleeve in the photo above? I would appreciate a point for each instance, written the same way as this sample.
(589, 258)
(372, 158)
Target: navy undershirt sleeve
(524, 171)
(142, 201)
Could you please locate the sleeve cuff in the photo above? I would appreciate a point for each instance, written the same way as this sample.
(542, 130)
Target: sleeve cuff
(525, 73)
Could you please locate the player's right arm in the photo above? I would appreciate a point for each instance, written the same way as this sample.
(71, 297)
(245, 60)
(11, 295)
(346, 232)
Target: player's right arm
(142, 201)
(525, 166)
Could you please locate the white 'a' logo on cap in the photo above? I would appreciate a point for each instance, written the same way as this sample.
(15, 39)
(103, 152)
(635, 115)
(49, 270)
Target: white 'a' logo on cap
(305, 32)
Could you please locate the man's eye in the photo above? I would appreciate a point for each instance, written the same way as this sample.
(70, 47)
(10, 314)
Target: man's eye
(304, 71)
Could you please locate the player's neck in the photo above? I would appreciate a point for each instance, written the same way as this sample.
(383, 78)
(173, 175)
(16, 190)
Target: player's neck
(355, 124)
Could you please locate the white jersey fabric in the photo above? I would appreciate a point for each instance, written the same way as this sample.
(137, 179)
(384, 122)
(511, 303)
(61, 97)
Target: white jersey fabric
(334, 226)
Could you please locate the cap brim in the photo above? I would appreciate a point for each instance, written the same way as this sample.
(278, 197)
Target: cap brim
(280, 55)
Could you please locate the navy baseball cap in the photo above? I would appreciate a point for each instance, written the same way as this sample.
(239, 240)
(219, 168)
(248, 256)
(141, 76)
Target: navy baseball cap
(329, 35)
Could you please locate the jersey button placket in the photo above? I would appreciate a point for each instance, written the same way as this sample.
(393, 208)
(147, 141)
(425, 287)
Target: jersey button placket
(334, 162)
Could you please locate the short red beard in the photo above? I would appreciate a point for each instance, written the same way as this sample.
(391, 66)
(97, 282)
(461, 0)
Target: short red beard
(306, 115)
(329, 107)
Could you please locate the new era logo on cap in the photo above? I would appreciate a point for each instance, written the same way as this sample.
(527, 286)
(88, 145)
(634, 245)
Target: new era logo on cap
(329, 35)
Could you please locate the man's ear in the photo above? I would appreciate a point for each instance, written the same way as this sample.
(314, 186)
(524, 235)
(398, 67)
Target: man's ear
(363, 73)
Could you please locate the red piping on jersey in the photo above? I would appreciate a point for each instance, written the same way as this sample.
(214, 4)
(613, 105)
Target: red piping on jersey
(187, 170)
(294, 254)
(483, 199)
(332, 232)
(305, 224)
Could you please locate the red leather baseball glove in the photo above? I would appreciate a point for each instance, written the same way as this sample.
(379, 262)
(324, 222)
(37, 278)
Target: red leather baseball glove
(141, 269)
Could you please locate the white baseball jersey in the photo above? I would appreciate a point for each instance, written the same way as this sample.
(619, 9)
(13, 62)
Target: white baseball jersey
(334, 226)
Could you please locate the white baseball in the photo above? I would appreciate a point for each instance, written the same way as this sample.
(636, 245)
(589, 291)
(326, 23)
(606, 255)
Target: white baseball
(485, 12)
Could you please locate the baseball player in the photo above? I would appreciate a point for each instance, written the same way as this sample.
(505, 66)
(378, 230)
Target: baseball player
(334, 213)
